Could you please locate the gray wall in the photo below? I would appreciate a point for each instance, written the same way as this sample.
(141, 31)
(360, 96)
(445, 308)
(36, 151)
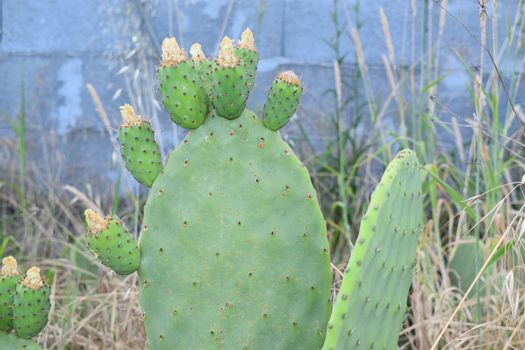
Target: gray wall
(56, 47)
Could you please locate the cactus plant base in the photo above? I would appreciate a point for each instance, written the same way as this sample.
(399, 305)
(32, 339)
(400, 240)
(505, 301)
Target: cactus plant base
(11, 341)
(234, 248)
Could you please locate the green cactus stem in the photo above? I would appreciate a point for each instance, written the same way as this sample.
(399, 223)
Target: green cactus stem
(370, 306)
(230, 83)
(9, 277)
(282, 100)
(247, 52)
(183, 95)
(112, 243)
(139, 150)
(31, 305)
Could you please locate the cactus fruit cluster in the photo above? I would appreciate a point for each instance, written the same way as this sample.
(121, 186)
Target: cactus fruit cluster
(24, 305)
(233, 250)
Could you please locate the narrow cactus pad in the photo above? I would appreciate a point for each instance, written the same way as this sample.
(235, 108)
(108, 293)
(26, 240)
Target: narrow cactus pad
(139, 150)
(12, 342)
(31, 305)
(9, 277)
(282, 100)
(234, 248)
(371, 303)
(112, 243)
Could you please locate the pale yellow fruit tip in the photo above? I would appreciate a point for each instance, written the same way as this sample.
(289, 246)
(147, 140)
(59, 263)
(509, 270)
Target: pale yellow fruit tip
(289, 77)
(226, 56)
(171, 52)
(9, 266)
(196, 53)
(95, 222)
(33, 279)
(247, 42)
(130, 118)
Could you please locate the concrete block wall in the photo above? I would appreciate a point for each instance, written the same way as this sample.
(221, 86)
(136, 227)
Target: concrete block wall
(56, 47)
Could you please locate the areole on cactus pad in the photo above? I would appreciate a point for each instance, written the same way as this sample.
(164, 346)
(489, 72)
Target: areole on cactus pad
(233, 250)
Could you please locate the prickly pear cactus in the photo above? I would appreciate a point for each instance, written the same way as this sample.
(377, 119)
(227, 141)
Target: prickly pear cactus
(12, 342)
(371, 303)
(9, 277)
(25, 306)
(31, 305)
(233, 247)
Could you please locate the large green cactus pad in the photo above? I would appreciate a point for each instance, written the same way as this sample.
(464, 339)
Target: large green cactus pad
(371, 303)
(234, 248)
(12, 342)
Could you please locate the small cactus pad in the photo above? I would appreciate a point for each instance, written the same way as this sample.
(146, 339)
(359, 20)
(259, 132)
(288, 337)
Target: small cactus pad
(12, 342)
(230, 80)
(9, 277)
(183, 95)
(282, 100)
(234, 248)
(139, 150)
(112, 244)
(370, 306)
(31, 305)
(246, 51)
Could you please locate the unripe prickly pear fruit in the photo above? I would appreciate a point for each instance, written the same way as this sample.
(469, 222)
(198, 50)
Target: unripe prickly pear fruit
(182, 93)
(31, 305)
(202, 65)
(230, 83)
(112, 243)
(9, 277)
(139, 150)
(282, 100)
(247, 52)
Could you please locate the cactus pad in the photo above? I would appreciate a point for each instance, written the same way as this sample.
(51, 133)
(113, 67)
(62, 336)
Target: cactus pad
(12, 342)
(234, 249)
(282, 100)
(31, 305)
(139, 150)
(9, 277)
(112, 243)
(371, 303)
